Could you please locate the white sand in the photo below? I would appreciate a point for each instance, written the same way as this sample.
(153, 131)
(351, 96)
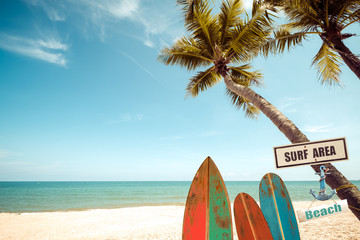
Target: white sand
(159, 222)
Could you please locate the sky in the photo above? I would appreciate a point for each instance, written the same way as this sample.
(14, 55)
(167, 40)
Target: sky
(83, 98)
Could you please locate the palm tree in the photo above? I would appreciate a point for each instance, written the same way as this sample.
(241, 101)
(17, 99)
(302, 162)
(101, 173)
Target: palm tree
(326, 18)
(219, 44)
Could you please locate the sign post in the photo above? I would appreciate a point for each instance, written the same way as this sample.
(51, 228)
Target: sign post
(311, 153)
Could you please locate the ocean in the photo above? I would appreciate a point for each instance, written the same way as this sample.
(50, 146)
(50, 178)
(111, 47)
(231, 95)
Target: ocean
(18, 197)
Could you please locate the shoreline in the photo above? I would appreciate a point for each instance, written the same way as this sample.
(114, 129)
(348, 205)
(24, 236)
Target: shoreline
(119, 207)
(296, 204)
(145, 222)
(104, 208)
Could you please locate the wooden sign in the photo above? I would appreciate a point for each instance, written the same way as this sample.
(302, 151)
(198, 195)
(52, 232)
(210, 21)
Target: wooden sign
(310, 153)
(322, 211)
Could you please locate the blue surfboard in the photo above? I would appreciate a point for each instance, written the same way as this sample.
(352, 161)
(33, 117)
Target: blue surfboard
(277, 208)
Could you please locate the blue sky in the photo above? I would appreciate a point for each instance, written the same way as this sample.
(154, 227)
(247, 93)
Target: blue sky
(82, 97)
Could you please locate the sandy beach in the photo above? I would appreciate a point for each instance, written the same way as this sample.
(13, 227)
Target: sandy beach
(155, 222)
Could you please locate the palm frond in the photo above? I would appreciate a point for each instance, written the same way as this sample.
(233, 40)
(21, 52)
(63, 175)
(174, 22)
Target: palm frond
(241, 103)
(204, 27)
(273, 5)
(344, 9)
(185, 52)
(301, 12)
(243, 76)
(327, 63)
(188, 8)
(202, 81)
(248, 37)
(285, 39)
(228, 17)
(350, 19)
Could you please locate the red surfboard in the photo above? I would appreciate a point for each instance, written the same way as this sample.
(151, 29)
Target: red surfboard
(207, 213)
(249, 220)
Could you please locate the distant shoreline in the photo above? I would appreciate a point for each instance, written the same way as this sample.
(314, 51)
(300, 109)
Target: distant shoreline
(30, 197)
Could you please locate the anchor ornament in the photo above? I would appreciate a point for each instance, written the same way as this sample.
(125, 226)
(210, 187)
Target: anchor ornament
(322, 194)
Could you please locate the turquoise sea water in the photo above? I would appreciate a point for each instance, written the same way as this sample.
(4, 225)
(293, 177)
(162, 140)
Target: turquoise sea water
(65, 196)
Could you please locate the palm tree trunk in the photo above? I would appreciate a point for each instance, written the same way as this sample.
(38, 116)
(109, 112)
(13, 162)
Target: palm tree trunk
(335, 179)
(352, 61)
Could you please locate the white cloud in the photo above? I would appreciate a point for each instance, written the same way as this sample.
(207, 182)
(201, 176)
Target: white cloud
(127, 117)
(4, 153)
(139, 65)
(139, 117)
(320, 128)
(49, 50)
(288, 104)
(247, 4)
(156, 20)
(211, 134)
(148, 43)
(53, 44)
(122, 9)
(52, 13)
(100, 11)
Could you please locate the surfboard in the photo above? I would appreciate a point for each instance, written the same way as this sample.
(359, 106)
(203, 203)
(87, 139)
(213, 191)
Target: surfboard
(277, 208)
(207, 213)
(249, 220)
